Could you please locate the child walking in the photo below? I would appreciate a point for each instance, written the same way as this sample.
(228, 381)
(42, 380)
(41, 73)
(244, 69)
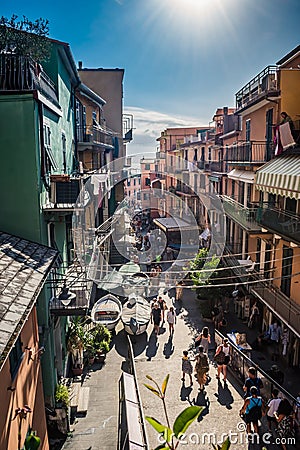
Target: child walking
(187, 368)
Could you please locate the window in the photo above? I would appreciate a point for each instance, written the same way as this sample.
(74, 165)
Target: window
(134, 181)
(195, 154)
(147, 166)
(209, 153)
(47, 135)
(148, 181)
(128, 182)
(15, 358)
(63, 142)
(248, 129)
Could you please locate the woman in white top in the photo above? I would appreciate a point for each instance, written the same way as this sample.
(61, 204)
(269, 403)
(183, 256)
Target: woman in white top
(203, 339)
(222, 357)
(272, 407)
(171, 319)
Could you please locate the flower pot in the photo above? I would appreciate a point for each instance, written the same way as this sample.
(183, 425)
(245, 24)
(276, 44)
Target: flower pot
(101, 357)
(77, 371)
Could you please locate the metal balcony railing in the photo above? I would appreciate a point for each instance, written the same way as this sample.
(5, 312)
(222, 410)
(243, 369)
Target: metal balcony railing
(283, 306)
(75, 301)
(94, 136)
(265, 83)
(247, 153)
(246, 217)
(23, 74)
(280, 222)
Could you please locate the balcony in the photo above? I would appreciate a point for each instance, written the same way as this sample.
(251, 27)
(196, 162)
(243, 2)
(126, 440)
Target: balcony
(127, 128)
(22, 74)
(73, 292)
(285, 308)
(280, 222)
(64, 192)
(249, 153)
(184, 190)
(91, 137)
(262, 85)
(245, 217)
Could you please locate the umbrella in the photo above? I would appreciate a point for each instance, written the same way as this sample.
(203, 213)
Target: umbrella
(129, 268)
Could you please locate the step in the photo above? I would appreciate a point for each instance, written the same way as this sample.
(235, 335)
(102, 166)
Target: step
(74, 395)
(83, 400)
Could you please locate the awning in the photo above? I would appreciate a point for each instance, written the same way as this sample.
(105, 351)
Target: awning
(24, 268)
(281, 176)
(170, 224)
(242, 175)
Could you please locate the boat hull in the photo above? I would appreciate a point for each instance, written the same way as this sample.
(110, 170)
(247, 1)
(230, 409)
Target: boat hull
(107, 311)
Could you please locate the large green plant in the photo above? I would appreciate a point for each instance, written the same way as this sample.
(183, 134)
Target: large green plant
(25, 37)
(62, 395)
(172, 436)
(76, 340)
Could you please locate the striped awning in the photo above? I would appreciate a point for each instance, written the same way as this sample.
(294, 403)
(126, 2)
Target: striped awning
(281, 176)
(246, 176)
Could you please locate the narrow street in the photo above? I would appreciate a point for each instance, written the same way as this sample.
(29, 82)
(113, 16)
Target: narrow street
(157, 358)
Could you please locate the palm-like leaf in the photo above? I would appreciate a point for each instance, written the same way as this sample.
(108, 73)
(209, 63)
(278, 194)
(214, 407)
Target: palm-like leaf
(164, 431)
(165, 384)
(152, 389)
(185, 418)
(225, 445)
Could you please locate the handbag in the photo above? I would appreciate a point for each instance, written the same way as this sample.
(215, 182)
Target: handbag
(220, 357)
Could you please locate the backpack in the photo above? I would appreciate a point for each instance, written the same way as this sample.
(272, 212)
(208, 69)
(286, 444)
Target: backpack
(257, 383)
(255, 413)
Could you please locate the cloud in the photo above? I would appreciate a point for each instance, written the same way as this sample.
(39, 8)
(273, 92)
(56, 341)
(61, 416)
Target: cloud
(149, 124)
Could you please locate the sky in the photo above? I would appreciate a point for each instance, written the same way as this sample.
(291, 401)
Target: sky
(182, 58)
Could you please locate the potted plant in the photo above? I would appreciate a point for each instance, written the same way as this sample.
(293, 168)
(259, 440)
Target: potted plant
(62, 397)
(76, 338)
(102, 338)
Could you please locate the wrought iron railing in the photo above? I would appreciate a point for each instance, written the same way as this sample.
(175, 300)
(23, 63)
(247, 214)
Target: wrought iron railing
(277, 301)
(264, 83)
(22, 74)
(246, 217)
(281, 222)
(94, 135)
(250, 152)
(240, 363)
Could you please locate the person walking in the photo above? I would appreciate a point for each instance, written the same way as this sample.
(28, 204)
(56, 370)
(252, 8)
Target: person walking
(162, 306)
(252, 380)
(203, 339)
(201, 367)
(222, 358)
(252, 409)
(171, 319)
(285, 422)
(186, 366)
(156, 317)
(272, 407)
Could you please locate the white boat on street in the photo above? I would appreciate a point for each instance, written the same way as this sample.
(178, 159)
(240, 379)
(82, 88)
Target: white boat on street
(107, 311)
(136, 314)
